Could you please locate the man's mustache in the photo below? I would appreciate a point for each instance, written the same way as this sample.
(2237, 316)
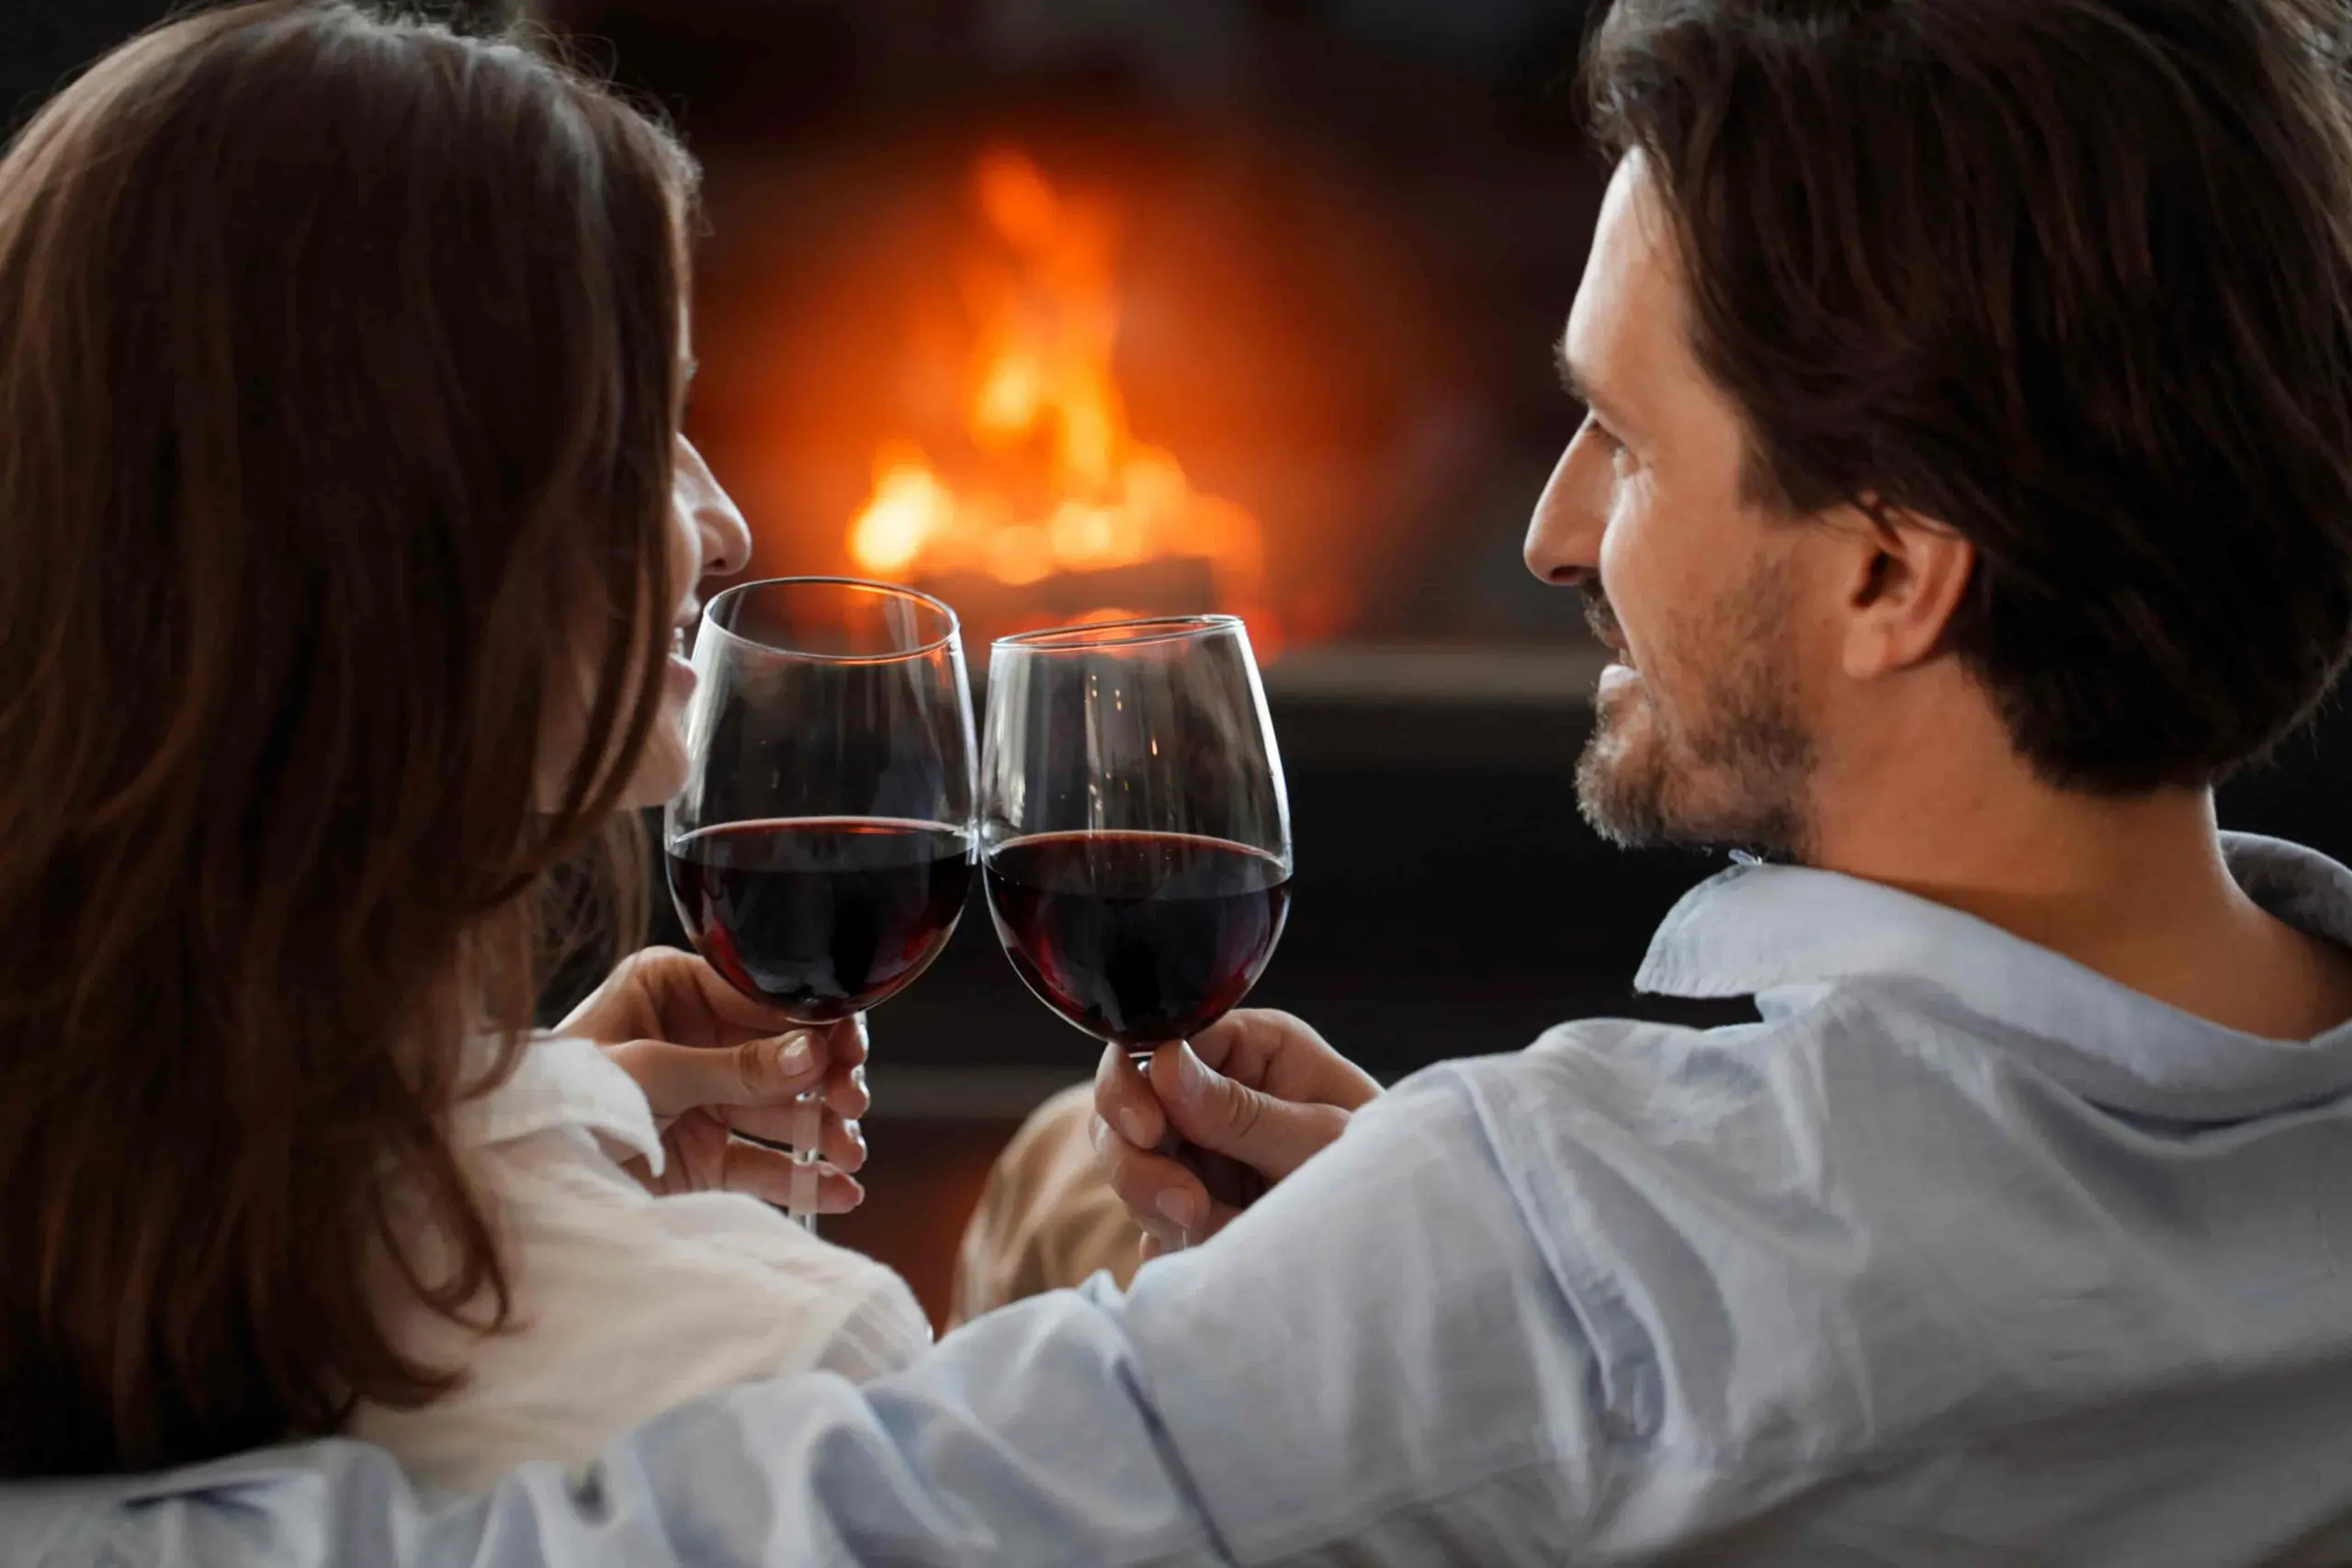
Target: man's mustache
(1600, 615)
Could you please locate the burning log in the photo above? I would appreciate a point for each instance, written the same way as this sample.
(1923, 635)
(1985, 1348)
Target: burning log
(1052, 508)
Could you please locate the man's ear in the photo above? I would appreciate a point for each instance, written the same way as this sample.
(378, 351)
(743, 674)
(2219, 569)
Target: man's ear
(1906, 577)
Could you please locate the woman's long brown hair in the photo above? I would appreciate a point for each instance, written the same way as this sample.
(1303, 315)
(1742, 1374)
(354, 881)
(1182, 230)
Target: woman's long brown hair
(339, 373)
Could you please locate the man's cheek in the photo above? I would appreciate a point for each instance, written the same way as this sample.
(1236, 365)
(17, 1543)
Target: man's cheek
(1620, 556)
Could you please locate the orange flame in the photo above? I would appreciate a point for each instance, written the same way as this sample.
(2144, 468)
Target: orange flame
(1063, 484)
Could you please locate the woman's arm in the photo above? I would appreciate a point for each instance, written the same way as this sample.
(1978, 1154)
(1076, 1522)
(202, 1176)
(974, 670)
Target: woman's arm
(1374, 1366)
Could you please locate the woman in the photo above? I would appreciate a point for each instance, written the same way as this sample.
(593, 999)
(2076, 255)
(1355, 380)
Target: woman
(345, 539)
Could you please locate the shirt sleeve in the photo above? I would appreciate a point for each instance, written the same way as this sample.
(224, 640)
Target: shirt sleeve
(626, 1304)
(1372, 1367)
(883, 1331)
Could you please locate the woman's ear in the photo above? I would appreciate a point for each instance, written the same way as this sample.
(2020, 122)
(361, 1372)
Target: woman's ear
(1906, 577)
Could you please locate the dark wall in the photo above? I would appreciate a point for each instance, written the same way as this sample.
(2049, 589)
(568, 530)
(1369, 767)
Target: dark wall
(43, 42)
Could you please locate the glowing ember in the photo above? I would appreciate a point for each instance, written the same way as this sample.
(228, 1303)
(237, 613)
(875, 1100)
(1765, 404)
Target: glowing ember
(1057, 483)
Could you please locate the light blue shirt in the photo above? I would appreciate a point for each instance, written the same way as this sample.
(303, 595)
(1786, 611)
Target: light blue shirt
(1964, 1254)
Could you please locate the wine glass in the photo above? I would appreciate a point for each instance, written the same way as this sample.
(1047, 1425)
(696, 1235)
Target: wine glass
(821, 850)
(1134, 834)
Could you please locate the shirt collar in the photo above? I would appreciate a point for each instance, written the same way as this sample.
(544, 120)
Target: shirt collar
(1779, 932)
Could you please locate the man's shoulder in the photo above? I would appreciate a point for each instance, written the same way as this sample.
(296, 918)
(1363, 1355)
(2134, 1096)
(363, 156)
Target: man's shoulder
(1632, 1068)
(1875, 1029)
(1875, 1217)
(1850, 1103)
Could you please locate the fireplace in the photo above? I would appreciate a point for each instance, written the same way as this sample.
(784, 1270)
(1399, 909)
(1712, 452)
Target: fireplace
(1063, 310)
(1074, 309)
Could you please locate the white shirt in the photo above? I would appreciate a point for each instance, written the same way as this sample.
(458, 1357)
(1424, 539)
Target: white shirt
(625, 1303)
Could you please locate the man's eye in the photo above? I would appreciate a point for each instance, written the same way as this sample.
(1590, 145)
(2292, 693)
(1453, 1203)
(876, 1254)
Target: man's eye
(1620, 459)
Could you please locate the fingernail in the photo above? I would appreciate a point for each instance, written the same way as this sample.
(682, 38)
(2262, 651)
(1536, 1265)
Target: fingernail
(857, 1075)
(1178, 1205)
(1191, 1073)
(797, 1057)
(855, 1135)
(1131, 1124)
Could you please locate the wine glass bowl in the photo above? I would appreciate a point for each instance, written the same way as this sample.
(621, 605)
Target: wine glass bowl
(822, 917)
(1135, 830)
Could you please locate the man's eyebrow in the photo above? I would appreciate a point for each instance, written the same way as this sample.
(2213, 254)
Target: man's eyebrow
(1578, 388)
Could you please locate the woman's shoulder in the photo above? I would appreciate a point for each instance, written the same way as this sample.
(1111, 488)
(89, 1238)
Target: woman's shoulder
(557, 1082)
(623, 1302)
(546, 1148)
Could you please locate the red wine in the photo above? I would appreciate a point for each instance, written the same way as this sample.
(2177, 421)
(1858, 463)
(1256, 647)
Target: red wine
(1137, 937)
(824, 915)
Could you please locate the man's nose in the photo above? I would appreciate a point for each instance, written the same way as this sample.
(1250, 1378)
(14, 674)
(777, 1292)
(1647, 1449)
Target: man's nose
(1563, 536)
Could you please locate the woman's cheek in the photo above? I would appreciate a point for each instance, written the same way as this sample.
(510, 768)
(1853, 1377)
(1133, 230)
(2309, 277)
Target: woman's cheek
(661, 768)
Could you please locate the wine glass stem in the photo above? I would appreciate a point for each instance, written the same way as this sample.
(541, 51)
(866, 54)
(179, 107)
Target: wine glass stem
(808, 1136)
(1171, 1143)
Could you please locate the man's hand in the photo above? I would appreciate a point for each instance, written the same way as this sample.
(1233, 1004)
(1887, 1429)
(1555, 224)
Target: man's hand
(713, 1064)
(1256, 1094)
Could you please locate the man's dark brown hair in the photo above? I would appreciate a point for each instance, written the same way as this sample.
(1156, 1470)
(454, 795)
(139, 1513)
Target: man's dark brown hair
(2072, 277)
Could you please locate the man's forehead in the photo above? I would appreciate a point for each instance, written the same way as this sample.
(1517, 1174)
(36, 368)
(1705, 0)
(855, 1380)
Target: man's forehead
(1629, 309)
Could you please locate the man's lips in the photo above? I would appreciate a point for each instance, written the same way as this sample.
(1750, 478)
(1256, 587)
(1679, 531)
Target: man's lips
(1601, 617)
(1620, 671)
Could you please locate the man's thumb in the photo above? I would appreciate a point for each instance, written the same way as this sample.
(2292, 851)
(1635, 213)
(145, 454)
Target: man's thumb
(1273, 1137)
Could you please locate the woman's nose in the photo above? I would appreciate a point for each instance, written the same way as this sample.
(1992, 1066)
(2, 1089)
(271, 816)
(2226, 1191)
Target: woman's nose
(726, 538)
(1563, 536)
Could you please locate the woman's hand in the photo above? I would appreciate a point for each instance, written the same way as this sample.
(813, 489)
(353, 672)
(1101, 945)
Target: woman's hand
(1255, 1095)
(713, 1063)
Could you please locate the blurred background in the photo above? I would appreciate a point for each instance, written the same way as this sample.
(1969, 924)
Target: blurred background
(1072, 308)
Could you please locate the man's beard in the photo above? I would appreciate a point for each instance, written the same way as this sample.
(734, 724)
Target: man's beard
(1734, 772)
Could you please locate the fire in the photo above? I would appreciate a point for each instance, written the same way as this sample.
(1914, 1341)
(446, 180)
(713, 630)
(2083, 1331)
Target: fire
(1054, 481)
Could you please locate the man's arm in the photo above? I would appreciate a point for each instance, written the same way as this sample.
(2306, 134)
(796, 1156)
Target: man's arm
(1374, 1357)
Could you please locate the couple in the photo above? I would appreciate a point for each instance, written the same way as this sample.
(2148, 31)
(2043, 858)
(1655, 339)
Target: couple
(1966, 486)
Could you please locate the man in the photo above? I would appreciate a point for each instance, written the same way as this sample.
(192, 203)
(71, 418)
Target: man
(1968, 484)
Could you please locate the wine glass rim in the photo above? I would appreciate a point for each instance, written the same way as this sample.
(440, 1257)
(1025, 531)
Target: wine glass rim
(894, 590)
(1088, 635)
